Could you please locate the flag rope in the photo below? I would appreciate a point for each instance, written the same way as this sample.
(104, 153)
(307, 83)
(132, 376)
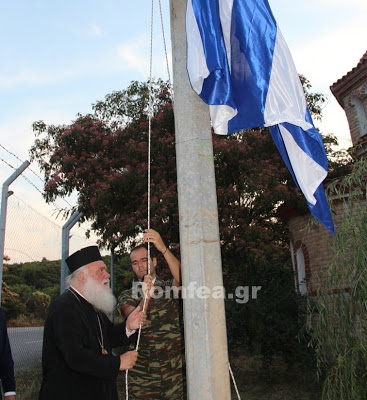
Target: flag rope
(150, 115)
(165, 52)
(234, 381)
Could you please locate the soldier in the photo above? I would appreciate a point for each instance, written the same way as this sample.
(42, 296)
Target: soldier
(159, 371)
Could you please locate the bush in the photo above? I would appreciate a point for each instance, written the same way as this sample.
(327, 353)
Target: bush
(272, 323)
(52, 291)
(38, 304)
(13, 307)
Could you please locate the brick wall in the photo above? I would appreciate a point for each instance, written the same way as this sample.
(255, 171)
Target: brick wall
(316, 243)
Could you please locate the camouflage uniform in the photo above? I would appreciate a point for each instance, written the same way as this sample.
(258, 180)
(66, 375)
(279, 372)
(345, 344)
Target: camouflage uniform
(159, 372)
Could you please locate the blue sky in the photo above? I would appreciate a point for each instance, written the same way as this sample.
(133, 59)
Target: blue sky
(59, 57)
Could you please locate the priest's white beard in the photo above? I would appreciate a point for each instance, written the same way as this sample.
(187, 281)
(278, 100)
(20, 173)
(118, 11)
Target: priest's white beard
(99, 295)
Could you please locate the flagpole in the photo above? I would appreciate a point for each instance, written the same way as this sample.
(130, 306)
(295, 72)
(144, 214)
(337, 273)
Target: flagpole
(204, 316)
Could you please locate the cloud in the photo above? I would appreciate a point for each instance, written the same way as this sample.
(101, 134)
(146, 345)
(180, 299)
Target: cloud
(17, 136)
(135, 55)
(95, 30)
(29, 77)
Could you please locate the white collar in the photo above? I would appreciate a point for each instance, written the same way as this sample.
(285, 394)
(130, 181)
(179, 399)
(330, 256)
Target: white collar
(77, 291)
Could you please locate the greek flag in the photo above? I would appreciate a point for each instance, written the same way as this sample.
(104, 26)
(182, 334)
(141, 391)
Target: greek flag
(240, 65)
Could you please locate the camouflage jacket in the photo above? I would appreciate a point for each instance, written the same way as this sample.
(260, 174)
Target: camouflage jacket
(162, 335)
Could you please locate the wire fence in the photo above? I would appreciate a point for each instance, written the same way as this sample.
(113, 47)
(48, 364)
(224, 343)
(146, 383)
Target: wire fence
(26, 346)
(30, 236)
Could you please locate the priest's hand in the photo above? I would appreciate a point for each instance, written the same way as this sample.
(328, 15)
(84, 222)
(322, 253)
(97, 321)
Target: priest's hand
(128, 360)
(136, 318)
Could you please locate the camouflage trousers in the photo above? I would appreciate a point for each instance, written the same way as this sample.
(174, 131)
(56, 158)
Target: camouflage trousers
(164, 380)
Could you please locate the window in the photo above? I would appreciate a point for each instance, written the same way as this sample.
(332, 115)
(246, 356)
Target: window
(360, 114)
(294, 267)
(301, 271)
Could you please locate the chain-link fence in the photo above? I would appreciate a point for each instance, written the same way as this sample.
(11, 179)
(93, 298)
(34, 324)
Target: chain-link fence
(30, 237)
(26, 346)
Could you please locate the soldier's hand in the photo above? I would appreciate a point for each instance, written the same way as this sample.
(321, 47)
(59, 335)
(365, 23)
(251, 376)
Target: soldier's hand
(152, 236)
(148, 287)
(128, 360)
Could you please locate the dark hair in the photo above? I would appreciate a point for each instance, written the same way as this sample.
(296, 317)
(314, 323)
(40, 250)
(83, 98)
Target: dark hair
(153, 250)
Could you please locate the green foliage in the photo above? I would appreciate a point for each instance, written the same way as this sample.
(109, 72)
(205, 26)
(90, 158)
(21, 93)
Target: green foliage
(24, 292)
(122, 274)
(38, 304)
(272, 322)
(12, 279)
(13, 307)
(52, 291)
(249, 193)
(315, 101)
(338, 315)
(28, 382)
(40, 275)
(36, 284)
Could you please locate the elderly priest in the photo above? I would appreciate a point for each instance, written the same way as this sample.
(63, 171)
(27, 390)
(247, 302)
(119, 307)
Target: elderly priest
(77, 358)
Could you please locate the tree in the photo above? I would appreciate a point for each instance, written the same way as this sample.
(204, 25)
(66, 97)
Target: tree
(104, 157)
(31, 284)
(8, 296)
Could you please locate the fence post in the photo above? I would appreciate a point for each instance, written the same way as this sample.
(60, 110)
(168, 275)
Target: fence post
(65, 246)
(4, 203)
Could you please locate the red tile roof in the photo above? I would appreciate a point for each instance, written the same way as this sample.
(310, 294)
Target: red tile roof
(361, 62)
(350, 79)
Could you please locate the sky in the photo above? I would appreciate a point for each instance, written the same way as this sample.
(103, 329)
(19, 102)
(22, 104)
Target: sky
(57, 58)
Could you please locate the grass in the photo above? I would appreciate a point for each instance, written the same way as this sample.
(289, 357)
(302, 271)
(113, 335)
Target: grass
(28, 381)
(279, 383)
(25, 321)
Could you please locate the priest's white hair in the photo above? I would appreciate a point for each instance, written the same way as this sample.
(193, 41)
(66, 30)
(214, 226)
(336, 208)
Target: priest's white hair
(98, 294)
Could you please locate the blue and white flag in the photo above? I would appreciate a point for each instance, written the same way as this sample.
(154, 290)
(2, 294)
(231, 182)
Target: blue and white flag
(240, 65)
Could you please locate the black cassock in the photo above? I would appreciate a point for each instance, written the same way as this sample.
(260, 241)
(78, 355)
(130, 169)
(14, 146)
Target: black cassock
(72, 360)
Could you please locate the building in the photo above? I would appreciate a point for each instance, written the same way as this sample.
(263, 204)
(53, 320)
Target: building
(311, 244)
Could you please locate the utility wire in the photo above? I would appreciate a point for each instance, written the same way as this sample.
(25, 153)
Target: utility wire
(59, 208)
